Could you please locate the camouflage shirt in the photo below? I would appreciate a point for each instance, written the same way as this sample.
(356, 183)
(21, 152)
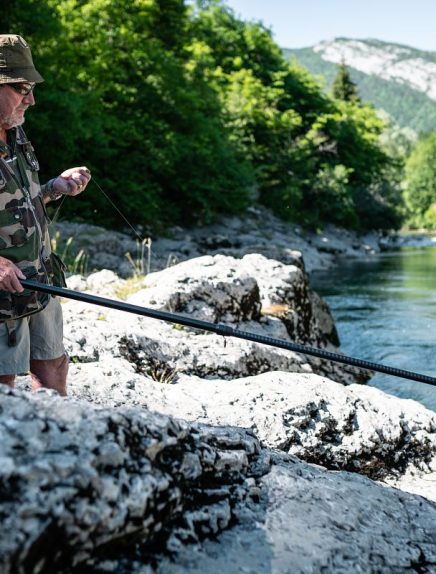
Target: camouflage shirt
(24, 237)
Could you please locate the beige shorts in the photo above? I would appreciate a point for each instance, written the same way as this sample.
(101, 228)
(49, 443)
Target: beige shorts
(39, 336)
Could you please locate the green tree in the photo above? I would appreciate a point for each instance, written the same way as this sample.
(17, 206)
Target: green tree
(183, 111)
(343, 87)
(420, 189)
(123, 93)
(314, 157)
(32, 19)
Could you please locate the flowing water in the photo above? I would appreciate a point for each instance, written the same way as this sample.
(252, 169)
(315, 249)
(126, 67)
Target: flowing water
(385, 312)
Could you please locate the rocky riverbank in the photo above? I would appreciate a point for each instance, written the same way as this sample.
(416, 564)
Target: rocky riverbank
(180, 451)
(418, 239)
(258, 231)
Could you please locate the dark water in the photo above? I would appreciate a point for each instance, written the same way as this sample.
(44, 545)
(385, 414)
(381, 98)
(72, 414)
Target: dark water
(385, 312)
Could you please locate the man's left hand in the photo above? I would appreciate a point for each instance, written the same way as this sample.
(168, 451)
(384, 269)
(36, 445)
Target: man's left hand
(72, 181)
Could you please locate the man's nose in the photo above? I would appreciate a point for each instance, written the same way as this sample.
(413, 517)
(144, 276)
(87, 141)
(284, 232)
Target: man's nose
(29, 100)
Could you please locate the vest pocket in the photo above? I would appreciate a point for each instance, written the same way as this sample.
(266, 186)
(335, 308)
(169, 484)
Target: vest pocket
(28, 302)
(18, 305)
(56, 269)
(12, 231)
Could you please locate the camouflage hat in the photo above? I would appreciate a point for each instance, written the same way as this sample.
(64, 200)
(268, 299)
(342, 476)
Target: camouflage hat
(16, 64)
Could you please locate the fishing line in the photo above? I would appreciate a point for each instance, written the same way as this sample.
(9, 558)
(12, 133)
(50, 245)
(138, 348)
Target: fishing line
(54, 218)
(141, 239)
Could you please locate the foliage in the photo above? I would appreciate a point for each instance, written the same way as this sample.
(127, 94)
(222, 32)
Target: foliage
(398, 142)
(312, 156)
(420, 192)
(184, 111)
(76, 260)
(343, 87)
(129, 105)
(140, 265)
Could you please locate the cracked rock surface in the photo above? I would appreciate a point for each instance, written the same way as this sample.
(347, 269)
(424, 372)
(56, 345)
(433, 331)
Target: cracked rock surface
(252, 294)
(75, 479)
(354, 428)
(86, 489)
(314, 521)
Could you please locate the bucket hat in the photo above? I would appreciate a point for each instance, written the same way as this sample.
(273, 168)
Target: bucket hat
(16, 64)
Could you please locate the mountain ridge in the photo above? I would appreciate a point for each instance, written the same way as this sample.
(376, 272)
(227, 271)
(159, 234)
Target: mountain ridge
(397, 78)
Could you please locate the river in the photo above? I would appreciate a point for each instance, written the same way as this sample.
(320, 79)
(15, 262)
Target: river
(385, 312)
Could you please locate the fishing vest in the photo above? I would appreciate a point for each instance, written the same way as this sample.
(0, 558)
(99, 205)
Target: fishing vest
(24, 237)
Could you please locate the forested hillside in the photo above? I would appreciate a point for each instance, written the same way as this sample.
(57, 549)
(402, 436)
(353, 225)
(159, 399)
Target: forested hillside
(407, 101)
(184, 112)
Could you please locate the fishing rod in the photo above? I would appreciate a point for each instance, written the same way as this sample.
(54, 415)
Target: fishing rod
(224, 330)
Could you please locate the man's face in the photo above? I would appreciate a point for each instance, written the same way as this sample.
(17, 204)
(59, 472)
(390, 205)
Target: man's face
(13, 105)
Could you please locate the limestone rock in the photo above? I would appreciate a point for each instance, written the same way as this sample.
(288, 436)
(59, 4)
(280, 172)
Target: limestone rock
(316, 521)
(75, 479)
(355, 428)
(86, 489)
(252, 294)
(257, 231)
(176, 451)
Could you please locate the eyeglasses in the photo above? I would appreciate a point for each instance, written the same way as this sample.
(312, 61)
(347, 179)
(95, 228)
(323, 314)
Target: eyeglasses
(23, 88)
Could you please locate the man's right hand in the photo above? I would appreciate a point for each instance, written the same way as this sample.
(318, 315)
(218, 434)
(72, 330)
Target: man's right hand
(10, 276)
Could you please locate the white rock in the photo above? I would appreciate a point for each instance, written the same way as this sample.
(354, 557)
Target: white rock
(399, 63)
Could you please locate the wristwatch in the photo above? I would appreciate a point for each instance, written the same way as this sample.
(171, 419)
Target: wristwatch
(50, 192)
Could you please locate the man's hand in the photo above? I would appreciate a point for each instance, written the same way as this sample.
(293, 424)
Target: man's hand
(10, 276)
(72, 181)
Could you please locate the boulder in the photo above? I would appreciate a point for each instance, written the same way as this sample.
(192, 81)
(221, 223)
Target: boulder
(126, 490)
(76, 480)
(177, 449)
(355, 428)
(252, 294)
(312, 521)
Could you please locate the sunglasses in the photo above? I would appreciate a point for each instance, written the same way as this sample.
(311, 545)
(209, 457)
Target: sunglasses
(23, 88)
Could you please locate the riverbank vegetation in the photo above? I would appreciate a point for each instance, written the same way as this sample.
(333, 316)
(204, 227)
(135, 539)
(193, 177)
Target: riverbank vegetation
(183, 112)
(420, 185)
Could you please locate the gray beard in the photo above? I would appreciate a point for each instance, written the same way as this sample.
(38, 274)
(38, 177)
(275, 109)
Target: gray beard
(12, 121)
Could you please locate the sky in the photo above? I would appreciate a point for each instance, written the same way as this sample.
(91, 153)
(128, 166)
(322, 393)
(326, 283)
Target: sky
(302, 23)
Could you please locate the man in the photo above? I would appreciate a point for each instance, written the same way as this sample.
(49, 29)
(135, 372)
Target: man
(30, 323)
